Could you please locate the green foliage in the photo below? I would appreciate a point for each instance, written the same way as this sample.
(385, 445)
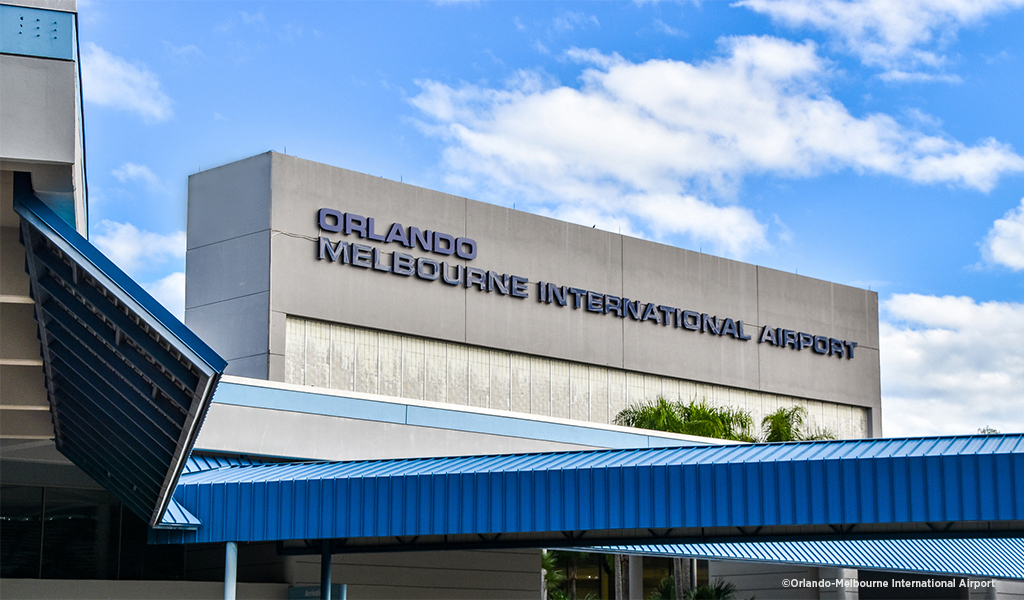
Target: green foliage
(561, 568)
(726, 423)
(694, 418)
(787, 425)
(721, 590)
(660, 415)
(666, 590)
(554, 577)
(986, 430)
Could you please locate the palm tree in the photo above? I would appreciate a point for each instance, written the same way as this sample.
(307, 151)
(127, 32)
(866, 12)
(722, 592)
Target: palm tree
(553, 561)
(727, 423)
(787, 425)
(721, 422)
(660, 415)
(694, 418)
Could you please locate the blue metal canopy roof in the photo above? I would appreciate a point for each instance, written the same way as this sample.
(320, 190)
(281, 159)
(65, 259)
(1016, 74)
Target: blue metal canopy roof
(128, 384)
(940, 486)
(980, 557)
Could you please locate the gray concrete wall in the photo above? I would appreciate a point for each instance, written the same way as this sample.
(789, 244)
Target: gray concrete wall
(64, 589)
(453, 574)
(227, 261)
(37, 115)
(263, 432)
(235, 200)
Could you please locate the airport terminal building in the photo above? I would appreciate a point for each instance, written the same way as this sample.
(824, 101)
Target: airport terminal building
(313, 275)
(411, 393)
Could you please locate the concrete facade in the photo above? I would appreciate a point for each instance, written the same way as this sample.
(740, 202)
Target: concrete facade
(261, 215)
(364, 360)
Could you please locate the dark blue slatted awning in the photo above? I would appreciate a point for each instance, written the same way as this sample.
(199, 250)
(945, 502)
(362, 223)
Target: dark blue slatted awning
(970, 486)
(128, 383)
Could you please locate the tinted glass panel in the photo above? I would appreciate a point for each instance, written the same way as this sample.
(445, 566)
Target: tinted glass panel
(81, 529)
(140, 560)
(20, 530)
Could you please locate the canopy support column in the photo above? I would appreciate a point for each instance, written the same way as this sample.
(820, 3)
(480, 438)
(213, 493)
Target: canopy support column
(230, 570)
(325, 570)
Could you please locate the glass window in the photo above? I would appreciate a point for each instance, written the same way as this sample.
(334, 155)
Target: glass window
(21, 521)
(81, 534)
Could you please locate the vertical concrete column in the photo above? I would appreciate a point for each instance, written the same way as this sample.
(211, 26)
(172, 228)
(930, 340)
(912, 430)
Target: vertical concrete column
(838, 592)
(325, 570)
(620, 576)
(230, 570)
(636, 577)
(681, 576)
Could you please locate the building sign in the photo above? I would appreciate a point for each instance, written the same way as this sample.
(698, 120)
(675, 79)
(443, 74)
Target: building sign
(363, 256)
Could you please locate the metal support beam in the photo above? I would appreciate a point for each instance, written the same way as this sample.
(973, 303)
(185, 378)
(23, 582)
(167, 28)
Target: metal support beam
(325, 570)
(230, 570)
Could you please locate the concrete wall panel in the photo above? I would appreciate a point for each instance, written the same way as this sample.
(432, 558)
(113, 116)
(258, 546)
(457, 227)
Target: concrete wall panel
(390, 367)
(19, 331)
(23, 385)
(435, 371)
(458, 374)
(26, 424)
(367, 361)
(235, 328)
(479, 377)
(253, 366)
(295, 348)
(451, 574)
(501, 387)
(538, 248)
(540, 386)
(248, 430)
(413, 361)
(521, 383)
(229, 201)
(318, 354)
(343, 358)
(37, 116)
(230, 269)
(13, 278)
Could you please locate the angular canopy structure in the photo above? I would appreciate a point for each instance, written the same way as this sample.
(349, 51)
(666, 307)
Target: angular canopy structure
(128, 384)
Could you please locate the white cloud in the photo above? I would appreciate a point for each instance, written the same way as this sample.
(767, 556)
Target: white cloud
(1004, 244)
(896, 36)
(667, 29)
(170, 291)
(189, 50)
(951, 365)
(109, 80)
(141, 173)
(135, 250)
(659, 141)
(568, 21)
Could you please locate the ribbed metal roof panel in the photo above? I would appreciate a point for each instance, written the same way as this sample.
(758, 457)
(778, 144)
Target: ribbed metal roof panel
(206, 462)
(176, 517)
(128, 384)
(796, 488)
(978, 557)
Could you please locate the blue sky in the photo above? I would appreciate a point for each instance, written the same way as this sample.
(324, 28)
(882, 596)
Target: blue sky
(874, 144)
